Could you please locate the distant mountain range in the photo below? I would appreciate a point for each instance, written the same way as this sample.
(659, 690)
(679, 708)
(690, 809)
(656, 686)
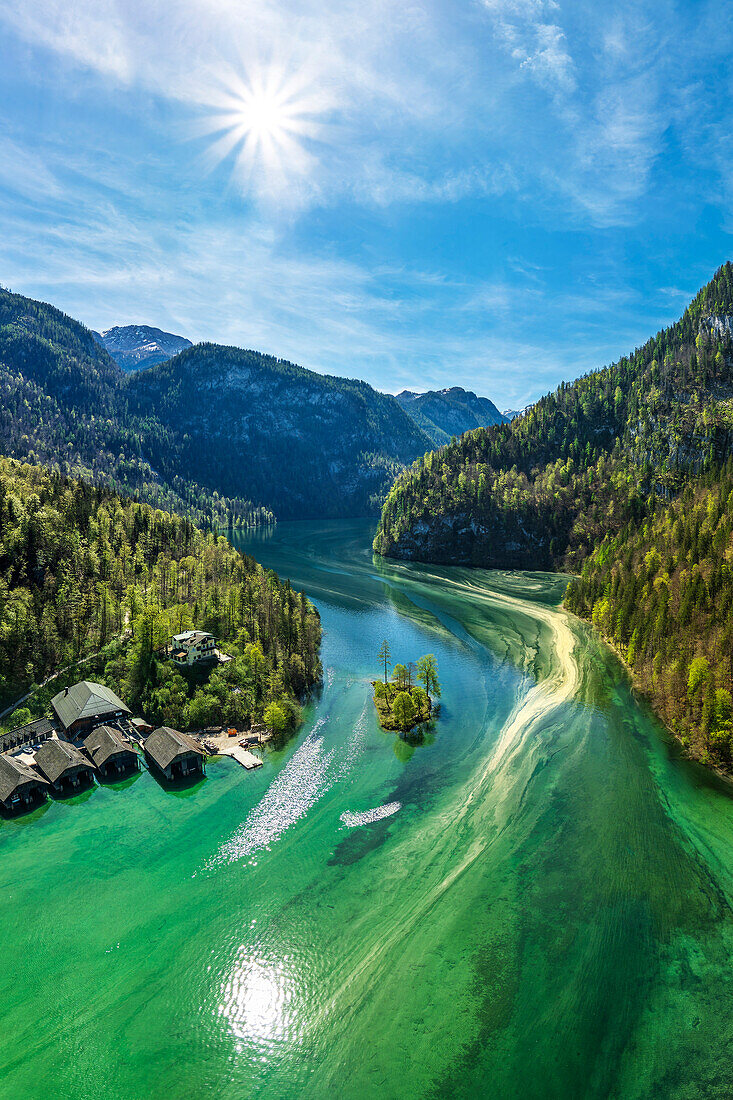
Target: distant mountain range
(440, 414)
(443, 414)
(217, 432)
(137, 347)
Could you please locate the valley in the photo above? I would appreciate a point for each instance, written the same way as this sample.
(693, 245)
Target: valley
(360, 917)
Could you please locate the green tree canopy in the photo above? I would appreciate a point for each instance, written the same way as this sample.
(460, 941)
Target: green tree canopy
(403, 709)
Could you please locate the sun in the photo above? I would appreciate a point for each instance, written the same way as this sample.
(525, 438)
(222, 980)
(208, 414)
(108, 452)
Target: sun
(267, 117)
(267, 123)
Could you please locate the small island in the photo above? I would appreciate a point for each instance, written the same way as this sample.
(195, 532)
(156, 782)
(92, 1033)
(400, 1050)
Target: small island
(405, 701)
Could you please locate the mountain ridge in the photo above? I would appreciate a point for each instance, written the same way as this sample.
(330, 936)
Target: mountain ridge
(138, 347)
(178, 432)
(449, 411)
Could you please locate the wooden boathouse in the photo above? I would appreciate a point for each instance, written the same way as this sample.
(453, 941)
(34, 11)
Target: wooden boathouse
(174, 754)
(110, 752)
(86, 705)
(64, 766)
(21, 787)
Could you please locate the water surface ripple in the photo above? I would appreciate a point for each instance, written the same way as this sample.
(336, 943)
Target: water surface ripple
(535, 902)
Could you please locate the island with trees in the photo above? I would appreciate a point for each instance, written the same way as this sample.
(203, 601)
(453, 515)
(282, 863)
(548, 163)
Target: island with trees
(405, 701)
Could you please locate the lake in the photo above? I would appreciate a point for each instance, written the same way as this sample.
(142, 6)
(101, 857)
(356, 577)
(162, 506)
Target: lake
(534, 902)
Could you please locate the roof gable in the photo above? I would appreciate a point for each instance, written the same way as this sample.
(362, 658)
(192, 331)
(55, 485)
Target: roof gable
(104, 743)
(55, 757)
(15, 774)
(86, 700)
(165, 745)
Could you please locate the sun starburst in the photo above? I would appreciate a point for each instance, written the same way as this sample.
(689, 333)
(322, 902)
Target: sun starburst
(268, 123)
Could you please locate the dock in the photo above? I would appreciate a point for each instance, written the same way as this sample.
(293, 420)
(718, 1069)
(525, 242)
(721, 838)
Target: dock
(229, 746)
(246, 758)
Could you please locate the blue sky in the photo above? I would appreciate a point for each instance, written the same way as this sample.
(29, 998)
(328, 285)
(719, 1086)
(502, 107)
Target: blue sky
(491, 193)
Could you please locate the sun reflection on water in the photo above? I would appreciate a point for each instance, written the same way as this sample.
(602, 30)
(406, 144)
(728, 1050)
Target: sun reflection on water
(258, 1000)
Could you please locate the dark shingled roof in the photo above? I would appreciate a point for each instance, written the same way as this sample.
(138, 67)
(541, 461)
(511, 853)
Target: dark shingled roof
(21, 735)
(54, 757)
(86, 700)
(13, 774)
(105, 742)
(165, 744)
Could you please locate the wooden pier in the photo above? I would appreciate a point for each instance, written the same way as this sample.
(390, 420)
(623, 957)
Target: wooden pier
(229, 746)
(244, 757)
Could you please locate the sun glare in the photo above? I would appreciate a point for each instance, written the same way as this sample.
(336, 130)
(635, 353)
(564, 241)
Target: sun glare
(264, 122)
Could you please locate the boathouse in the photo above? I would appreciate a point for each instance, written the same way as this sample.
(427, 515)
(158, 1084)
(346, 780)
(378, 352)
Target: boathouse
(110, 752)
(82, 707)
(64, 766)
(20, 786)
(141, 727)
(174, 754)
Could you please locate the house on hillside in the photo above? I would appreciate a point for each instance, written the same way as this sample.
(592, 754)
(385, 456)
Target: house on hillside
(192, 647)
(64, 766)
(110, 752)
(174, 754)
(21, 788)
(86, 705)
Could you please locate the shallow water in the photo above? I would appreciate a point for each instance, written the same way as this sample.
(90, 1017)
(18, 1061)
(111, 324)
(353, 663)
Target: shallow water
(533, 903)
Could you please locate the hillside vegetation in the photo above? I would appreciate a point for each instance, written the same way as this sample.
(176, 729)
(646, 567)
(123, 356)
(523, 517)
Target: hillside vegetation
(82, 570)
(63, 404)
(628, 461)
(662, 592)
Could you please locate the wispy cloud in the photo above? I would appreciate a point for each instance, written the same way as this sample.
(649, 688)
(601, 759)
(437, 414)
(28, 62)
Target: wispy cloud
(535, 41)
(435, 191)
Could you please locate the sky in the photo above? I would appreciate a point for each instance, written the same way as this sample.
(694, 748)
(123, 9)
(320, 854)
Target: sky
(499, 194)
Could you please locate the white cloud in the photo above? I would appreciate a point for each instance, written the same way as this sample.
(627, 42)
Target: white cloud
(536, 43)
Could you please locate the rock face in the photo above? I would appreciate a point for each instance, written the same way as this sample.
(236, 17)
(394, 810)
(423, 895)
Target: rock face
(462, 539)
(445, 413)
(137, 347)
(718, 325)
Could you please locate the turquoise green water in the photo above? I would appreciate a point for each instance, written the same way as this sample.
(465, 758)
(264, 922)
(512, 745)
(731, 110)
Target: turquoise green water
(533, 903)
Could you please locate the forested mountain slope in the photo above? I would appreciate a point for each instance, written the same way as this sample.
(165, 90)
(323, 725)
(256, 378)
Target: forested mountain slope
(80, 567)
(662, 592)
(628, 461)
(63, 404)
(225, 435)
(542, 489)
(308, 445)
(445, 413)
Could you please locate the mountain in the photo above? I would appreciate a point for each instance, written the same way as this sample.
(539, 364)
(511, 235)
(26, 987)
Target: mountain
(225, 435)
(444, 413)
(137, 347)
(305, 444)
(63, 403)
(509, 414)
(626, 477)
